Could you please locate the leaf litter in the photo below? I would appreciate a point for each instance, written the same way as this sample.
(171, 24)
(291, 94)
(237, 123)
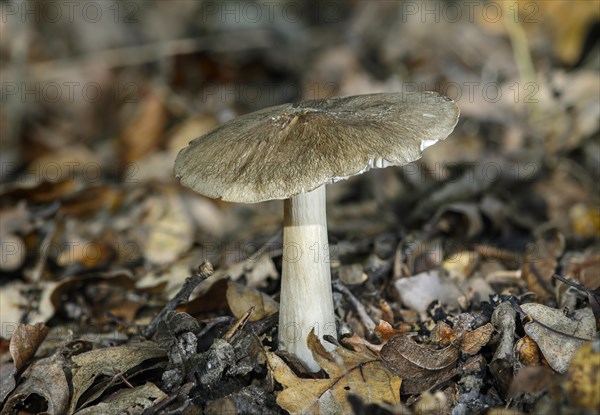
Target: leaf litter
(464, 283)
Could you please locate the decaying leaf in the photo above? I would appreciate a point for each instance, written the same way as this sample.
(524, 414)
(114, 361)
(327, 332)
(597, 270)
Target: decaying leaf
(384, 331)
(102, 365)
(474, 340)
(583, 377)
(171, 229)
(540, 263)
(357, 373)
(528, 352)
(352, 274)
(130, 401)
(419, 366)
(240, 298)
(533, 379)
(25, 341)
(419, 291)
(23, 344)
(501, 366)
(44, 386)
(15, 304)
(558, 336)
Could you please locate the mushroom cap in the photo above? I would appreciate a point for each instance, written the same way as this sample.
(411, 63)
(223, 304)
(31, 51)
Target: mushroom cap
(281, 151)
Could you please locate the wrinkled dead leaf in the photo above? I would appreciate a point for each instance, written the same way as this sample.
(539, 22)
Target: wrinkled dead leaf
(411, 360)
(533, 379)
(541, 261)
(583, 377)
(240, 298)
(14, 305)
(44, 386)
(528, 352)
(385, 332)
(419, 291)
(23, 344)
(474, 340)
(352, 274)
(558, 336)
(357, 373)
(504, 322)
(171, 229)
(103, 365)
(25, 341)
(129, 401)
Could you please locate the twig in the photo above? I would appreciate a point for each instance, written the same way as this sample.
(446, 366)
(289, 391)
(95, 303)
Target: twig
(205, 271)
(181, 395)
(357, 305)
(239, 324)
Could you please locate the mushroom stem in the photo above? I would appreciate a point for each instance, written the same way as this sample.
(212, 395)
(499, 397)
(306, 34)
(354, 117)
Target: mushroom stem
(306, 298)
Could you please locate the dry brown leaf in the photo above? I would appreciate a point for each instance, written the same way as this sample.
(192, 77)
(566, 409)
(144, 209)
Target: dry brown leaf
(103, 365)
(583, 377)
(501, 366)
(171, 230)
(14, 305)
(43, 384)
(240, 298)
(145, 130)
(352, 274)
(540, 263)
(533, 379)
(357, 373)
(558, 336)
(528, 352)
(23, 344)
(411, 360)
(443, 334)
(419, 291)
(25, 341)
(385, 332)
(130, 401)
(474, 340)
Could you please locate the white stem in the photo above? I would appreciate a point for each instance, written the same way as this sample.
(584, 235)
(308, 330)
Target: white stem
(306, 299)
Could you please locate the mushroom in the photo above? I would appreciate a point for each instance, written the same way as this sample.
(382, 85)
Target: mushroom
(291, 152)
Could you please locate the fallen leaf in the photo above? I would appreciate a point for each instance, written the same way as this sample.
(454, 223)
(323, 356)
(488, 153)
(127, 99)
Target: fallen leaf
(501, 366)
(23, 344)
(419, 291)
(15, 305)
(541, 261)
(240, 298)
(356, 373)
(43, 385)
(130, 401)
(385, 332)
(171, 230)
(583, 377)
(532, 379)
(558, 336)
(103, 365)
(474, 340)
(528, 351)
(352, 274)
(411, 360)
(25, 341)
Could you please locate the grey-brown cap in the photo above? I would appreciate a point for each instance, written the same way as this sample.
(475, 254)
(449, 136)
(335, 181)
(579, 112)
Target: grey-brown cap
(284, 150)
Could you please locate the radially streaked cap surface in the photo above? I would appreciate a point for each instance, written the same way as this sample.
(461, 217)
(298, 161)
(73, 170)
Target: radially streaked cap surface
(280, 151)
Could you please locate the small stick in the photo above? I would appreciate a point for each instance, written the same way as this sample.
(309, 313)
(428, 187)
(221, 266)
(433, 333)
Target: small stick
(357, 305)
(182, 394)
(204, 271)
(239, 324)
